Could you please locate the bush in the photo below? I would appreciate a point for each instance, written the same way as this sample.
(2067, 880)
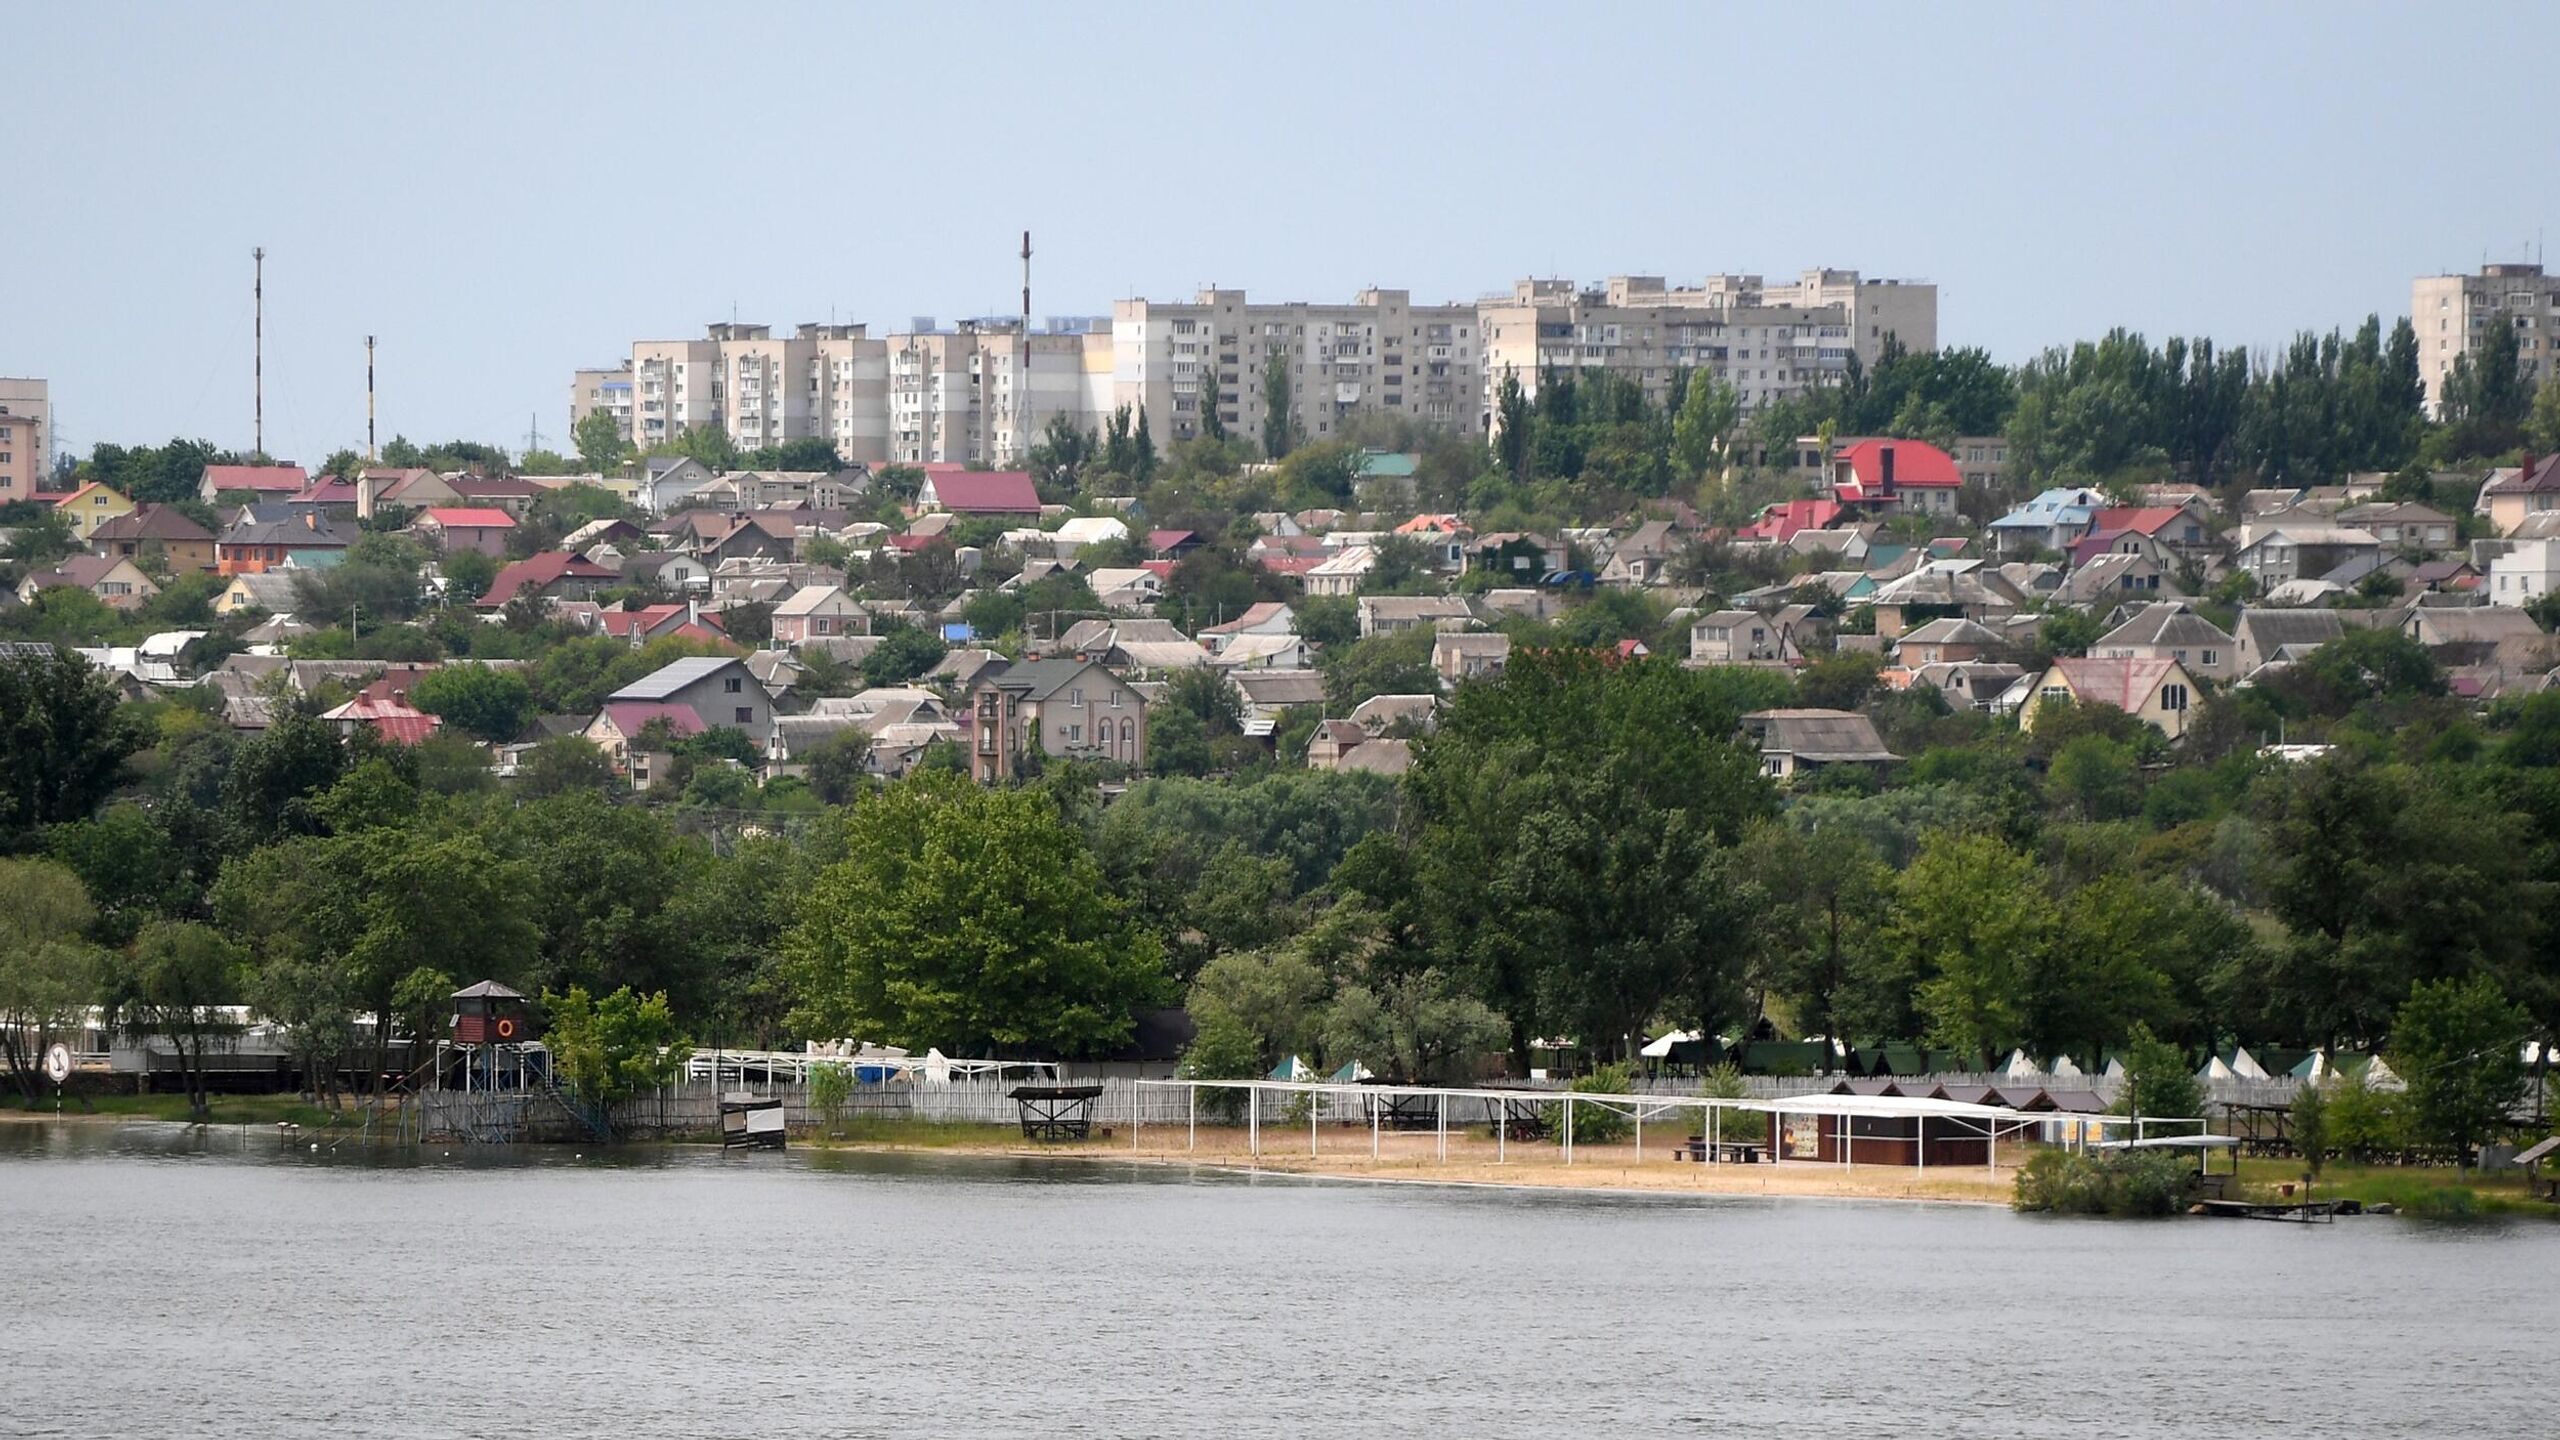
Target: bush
(2118, 1183)
(1596, 1124)
(1742, 1127)
(830, 1086)
(2446, 1202)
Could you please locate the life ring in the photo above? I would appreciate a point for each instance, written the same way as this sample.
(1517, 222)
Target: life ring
(507, 1028)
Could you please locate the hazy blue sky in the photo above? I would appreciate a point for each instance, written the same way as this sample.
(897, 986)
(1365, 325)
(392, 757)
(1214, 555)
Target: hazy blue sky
(502, 193)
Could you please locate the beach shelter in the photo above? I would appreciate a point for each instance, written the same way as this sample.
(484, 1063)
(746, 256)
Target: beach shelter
(937, 1067)
(1292, 1068)
(1353, 1073)
(2063, 1069)
(2020, 1067)
(1660, 1047)
(2246, 1066)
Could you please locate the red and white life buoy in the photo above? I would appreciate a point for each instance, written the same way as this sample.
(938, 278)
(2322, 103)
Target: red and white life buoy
(506, 1028)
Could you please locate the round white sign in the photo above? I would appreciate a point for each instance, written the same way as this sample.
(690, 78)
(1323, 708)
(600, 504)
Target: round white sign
(57, 1063)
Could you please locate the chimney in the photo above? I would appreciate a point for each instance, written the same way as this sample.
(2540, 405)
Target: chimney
(2525, 475)
(311, 518)
(1887, 473)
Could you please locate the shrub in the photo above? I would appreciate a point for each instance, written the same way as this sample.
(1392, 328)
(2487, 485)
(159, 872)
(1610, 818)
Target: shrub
(1743, 1127)
(830, 1086)
(2119, 1183)
(2311, 1126)
(1596, 1124)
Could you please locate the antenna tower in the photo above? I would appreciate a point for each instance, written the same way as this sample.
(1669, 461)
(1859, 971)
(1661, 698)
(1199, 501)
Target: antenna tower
(369, 455)
(258, 352)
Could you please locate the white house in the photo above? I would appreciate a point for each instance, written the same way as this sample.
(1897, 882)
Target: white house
(2529, 570)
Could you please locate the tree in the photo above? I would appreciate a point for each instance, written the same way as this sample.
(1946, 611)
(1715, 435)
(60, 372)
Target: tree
(1279, 412)
(1513, 423)
(1970, 918)
(2542, 426)
(563, 765)
(612, 1049)
(1213, 426)
(468, 574)
(1323, 620)
(1273, 995)
(1395, 663)
(2311, 1126)
(173, 985)
(971, 919)
(904, 652)
(1421, 1029)
(2157, 1081)
(489, 703)
(1701, 434)
(1203, 690)
(839, 767)
(47, 973)
(62, 744)
(2459, 1047)
(268, 789)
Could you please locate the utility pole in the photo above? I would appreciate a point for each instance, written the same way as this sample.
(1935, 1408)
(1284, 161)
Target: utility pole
(369, 455)
(258, 351)
(1022, 392)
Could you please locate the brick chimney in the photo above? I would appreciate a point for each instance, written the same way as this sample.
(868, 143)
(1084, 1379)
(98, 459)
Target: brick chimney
(1885, 475)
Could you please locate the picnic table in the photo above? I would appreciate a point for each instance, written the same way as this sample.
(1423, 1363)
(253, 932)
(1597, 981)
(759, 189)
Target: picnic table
(1524, 1119)
(1723, 1152)
(1409, 1112)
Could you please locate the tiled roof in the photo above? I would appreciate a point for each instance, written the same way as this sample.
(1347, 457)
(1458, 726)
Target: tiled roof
(534, 572)
(985, 491)
(2123, 683)
(629, 716)
(471, 517)
(267, 479)
(1915, 462)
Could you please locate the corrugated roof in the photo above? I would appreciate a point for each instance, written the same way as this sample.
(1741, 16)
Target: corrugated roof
(666, 681)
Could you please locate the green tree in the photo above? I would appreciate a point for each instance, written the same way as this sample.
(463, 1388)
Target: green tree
(468, 575)
(1213, 426)
(1421, 1028)
(613, 1048)
(1970, 920)
(1276, 996)
(1204, 691)
(839, 766)
(1703, 432)
(488, 703)
(173, 985)
(904, 652)
(2459, 1047)
(1279, 413)
(1326, 619)
(2542, 425)
(2157, 1080)
(2311, 1127)
(972, 919)
(564, 765)
(48, 975)
(62, 744)
(1396, 663)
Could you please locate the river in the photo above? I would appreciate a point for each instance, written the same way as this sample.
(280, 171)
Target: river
(167, 1282)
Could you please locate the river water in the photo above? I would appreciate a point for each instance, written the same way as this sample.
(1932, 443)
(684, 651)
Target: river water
(166, 1282)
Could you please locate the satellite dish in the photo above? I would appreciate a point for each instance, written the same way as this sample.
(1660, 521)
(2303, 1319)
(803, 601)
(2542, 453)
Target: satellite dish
(57, 1063)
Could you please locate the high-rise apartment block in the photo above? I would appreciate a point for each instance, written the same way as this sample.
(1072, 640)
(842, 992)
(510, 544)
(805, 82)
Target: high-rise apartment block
(1379, 354)
(605, 390)
(2453, 312)
(982, 392)
(26, 437)
(1769, 342)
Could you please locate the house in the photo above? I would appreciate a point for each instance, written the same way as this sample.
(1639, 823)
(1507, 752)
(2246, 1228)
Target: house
(2465, 634)
(667, 480)
(2305, 551)
(1270, 694)
(719, 688)
(1944, 587)
(1387, 614)
(1741, 637)
(1781, 521)
(1384, 479)
(1378, 757)
(2513, 495)
(1942, 641)
(155, 529)
(815, 611)
(551, 575)
(2184, 526)
(762, 535)
(1006, 494)
(2407, 528)
(1458, 657)
(1517, 554)
(1643, 557)
(1968, 684)
(650, 622)
(2264, 634)
(1062, 707)
(1341, 574)
(1130, 589)
(622, 535)
(383, 707)
(253, 484)
(451, 528)
(1794, 742)
(332, 495)
(1332, 740)
(1264, 652)
(2452, 576)
(1172, 544)
(2168, 630)
(90, 506)
(115, 580)
(2053, 520)
(2114, 577)
(616, 730)
(511, 493)
(272, 593)
(380, 485)
(2529, 570)
(1263, 617)
(264, 537)
(2160, 692)
(1882, 475)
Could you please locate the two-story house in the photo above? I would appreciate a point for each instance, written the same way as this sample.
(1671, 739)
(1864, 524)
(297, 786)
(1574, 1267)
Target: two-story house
(2170, 631)
(148, 529)
(719, 688)
(1052, 707)
(817, 612)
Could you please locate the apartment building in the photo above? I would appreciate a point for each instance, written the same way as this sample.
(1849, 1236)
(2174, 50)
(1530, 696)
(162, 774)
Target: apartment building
(1380, 354)
(2453, 312)
(984, 391)
(608, 390)
(1769, 342)
(26, 437)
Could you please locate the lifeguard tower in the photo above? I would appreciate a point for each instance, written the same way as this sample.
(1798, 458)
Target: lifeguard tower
(492, 1026)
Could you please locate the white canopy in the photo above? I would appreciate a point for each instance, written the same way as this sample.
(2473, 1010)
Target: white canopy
(1660, 1047)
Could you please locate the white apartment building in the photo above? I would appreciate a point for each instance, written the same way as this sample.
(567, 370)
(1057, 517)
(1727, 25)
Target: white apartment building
(608, 390)
(983, 392)
(2452, 312)
(26, 437)
(1767, 341)
(1379, 354)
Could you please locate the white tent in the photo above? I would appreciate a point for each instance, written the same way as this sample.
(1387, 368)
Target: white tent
(2020, 1067)
(1660, 1047)
(2246, 1066)
(2063, 1069)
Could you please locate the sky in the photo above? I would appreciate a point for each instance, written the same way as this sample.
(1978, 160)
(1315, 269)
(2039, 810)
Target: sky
(502, 193)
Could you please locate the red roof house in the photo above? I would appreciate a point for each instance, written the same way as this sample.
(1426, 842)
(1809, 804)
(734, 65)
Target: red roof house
(468, 527)
(1781, 521)
(979, 492)
(553, 572)
(1912, 474)
(267, 482)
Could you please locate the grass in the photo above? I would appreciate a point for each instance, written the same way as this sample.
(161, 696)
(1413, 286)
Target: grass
(914, 1134)
(2414, 1189)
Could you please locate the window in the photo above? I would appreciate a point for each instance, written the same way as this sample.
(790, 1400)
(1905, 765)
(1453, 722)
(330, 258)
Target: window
(746, 715)
(1075, 698)
(733, 685)
(2173, 697)
(2212, 657)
